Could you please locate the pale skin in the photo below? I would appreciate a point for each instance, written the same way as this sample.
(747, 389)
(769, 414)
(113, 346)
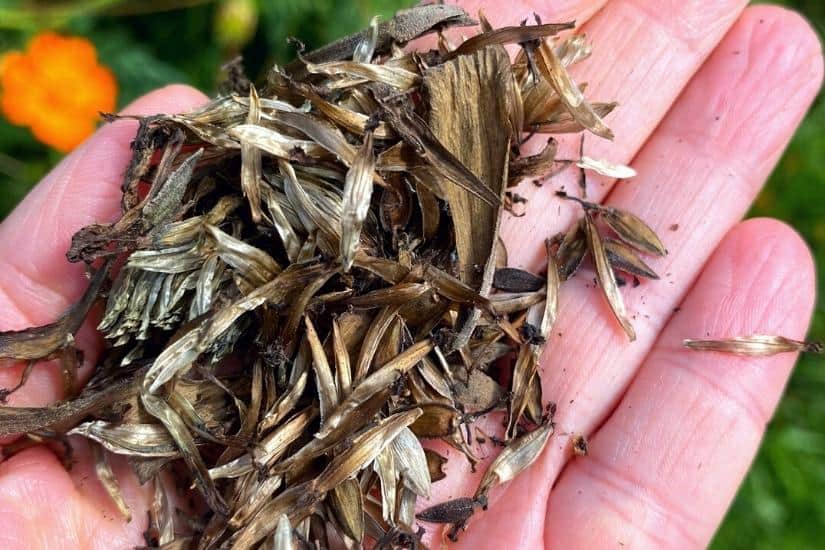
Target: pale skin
(710, 94)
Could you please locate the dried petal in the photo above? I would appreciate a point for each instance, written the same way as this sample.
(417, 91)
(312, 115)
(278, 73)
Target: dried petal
(365, 448)
(607, 280)
(347, 504)
(572, 250)
(396, 77)
(283, 535)
(556, 75)
(605, 168)
(357, 195)
(508, 35)
(327, 391)
(376, 382)
(633, 230)
(273, 142)
(161, 410)
(143, 440)
(759, 345)
(388, 474)
(251, 161)
(411, 462)
(107, 478)
(516, 457)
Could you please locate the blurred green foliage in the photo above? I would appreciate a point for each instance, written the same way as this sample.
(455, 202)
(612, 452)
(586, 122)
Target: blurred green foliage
(149, 43)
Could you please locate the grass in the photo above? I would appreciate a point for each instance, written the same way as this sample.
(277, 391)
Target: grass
(782, 502)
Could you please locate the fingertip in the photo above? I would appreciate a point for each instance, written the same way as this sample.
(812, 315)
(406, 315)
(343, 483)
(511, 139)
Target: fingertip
(763, 75)
(782, 261)
(777, 233)
(28, 460)
(173, 98)
(770, 22)
(112, 140)
(798, 49)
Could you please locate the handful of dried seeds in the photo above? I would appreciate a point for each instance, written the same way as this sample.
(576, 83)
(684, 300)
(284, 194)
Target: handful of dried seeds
(312, 284)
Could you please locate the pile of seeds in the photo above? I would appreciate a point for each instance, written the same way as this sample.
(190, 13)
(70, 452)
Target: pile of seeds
(307, 282)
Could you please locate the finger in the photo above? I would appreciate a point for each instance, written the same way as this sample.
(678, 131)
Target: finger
(42, 505)
(700, 174)
(37, 283)
(649, 63)
(588, 362)
(664, 468)
(514, 13)
(644, 54)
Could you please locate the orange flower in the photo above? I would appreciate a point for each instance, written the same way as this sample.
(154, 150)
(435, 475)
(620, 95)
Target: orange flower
(56, 88)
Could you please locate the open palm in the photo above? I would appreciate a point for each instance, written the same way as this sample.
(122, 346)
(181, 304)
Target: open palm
(710, 93)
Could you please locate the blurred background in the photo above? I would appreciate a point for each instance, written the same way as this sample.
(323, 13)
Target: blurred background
(121, 49)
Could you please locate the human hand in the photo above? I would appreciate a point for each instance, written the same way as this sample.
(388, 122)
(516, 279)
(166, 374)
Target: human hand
(671, 432)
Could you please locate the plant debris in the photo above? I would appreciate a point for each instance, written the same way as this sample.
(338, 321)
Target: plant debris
(307, 283)
(757, 345)
(579, 445)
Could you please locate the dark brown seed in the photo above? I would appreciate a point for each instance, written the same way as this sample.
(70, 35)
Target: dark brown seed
(457, 510)
(632, 230)
(624, 258)
(511, 279)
